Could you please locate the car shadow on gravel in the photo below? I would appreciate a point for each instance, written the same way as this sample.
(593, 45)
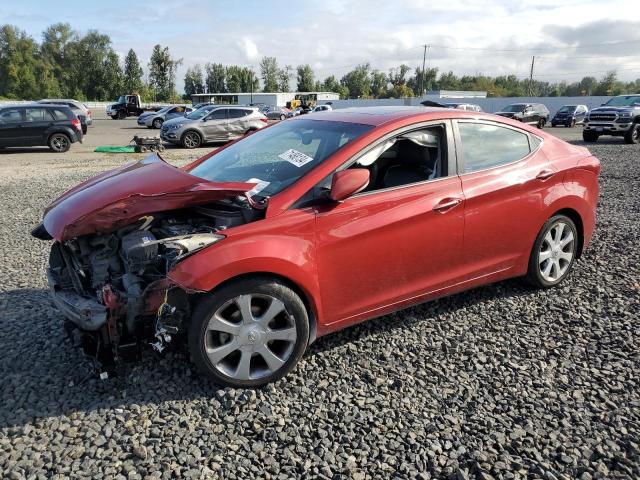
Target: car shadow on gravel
(46, 376)
(24, 150)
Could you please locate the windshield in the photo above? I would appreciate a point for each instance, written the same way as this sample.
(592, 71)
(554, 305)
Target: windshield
(121, 99)
(623, 101)
(277, 156)
(567, 109)
(201, 112)
(514, 108)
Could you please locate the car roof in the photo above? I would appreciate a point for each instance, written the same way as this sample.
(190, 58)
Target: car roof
(376, 116)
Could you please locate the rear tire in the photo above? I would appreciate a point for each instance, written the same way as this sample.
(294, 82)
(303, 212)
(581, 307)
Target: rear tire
(267, 337)
(157, 123)
(191, 139)
(554, 252)
(589, 136)
(282, 117)
(633, 135)
(59, 142)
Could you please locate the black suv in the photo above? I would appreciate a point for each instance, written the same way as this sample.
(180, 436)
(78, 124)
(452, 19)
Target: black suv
(531, 113)
(35, 124)
(619, 117)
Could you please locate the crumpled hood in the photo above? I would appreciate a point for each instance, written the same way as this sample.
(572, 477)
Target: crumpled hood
(121, 196)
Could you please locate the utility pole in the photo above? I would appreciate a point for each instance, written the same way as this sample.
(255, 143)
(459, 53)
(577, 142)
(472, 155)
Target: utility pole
(424, 59)
(533, 60)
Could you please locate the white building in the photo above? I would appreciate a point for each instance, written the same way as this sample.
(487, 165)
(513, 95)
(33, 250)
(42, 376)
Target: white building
(275, 98)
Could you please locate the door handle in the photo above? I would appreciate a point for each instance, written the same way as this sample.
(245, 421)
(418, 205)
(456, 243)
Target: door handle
(545, 175)
(447, 204)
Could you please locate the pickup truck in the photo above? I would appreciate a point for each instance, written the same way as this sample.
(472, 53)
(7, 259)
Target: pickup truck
(127, 106)
(619, 117)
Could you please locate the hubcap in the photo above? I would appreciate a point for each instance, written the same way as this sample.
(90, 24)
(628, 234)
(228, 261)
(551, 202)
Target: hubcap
(191, 140)
(556, 252)
(250, 336)
(59, 142)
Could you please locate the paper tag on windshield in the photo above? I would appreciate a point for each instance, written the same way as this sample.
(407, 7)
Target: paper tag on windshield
(297, 158)
(260, 185)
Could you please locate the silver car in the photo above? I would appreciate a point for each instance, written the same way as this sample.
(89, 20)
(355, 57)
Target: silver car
(76, 107)
(215, 123)
(156, 119)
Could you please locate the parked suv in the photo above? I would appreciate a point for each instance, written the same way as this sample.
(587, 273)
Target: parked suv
(619, 117)
(80, 109)
(36, 124)
(569, 115)
(531, 113)
(156, 119)
(219, 124)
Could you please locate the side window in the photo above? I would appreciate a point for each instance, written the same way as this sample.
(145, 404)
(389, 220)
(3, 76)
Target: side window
(12, 115)
(218, 114)
(486, 146)
(412, 157)
(236, 113)
(37, 115)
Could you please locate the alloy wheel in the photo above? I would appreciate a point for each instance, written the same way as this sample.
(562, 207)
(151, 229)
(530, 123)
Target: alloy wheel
(250, 336)
(59, 143)
(556, 252)
(191, 140)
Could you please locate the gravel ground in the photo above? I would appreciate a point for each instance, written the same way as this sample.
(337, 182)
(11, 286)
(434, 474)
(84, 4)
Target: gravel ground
(499, 382)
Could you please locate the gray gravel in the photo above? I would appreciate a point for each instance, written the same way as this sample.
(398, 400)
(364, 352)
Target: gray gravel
(499, 382)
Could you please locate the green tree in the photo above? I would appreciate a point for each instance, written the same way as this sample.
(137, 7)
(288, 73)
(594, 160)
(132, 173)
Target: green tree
(132, 81)
(358, 81)
(398, 76)
(215, 78)
(419, 86)
(53, 52)
(112, 77)
(331, 84)
(18, 64)
(305, 78)
(378, 84)
(162, 73)
(193, 81)
(269, 74)
(284, 75)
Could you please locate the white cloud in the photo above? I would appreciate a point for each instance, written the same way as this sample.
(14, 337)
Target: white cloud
(249, 49)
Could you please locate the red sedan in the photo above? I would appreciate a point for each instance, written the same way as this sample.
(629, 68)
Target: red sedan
(311, 225)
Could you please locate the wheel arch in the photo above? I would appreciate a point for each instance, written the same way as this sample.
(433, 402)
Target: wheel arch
(576, 218)
(307, 299)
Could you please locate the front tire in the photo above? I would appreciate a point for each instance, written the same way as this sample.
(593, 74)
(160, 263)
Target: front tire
(633, 135)
(248, 333)
(59, 142)
(589, 136)
(191, 139)
(122, 115)
(554, 252)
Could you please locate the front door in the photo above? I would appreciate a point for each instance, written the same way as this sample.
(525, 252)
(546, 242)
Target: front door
(398, 240)
(12, 127)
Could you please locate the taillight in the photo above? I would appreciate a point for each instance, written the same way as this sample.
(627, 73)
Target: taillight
(89, 113)
(76, 124)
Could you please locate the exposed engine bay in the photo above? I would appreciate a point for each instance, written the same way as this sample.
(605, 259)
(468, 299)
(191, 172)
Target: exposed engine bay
(113, 287)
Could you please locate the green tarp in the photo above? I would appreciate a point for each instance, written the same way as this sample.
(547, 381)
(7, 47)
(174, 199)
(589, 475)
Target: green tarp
(127, 149)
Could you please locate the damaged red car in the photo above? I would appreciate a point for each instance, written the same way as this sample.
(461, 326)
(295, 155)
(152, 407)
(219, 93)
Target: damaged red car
(308, 226)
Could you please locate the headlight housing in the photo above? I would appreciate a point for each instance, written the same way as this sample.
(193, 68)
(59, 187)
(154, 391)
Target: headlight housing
(185, 245)
(175, 126)
(624, 114)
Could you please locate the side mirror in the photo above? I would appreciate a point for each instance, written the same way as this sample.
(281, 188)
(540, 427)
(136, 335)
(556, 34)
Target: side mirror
(347, 182)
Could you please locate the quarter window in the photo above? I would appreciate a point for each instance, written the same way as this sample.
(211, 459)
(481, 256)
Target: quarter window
(486, 146)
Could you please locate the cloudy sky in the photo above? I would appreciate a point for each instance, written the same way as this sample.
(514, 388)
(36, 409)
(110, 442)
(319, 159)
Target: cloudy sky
(570, 38)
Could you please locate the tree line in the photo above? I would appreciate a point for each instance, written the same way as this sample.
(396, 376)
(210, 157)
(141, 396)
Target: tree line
(86, 67)
(66, 64)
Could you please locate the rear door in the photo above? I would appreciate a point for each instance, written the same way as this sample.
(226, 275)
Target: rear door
(506, 180)
(37, 122)
(12, 127)
(214, 127)
(238, 125)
